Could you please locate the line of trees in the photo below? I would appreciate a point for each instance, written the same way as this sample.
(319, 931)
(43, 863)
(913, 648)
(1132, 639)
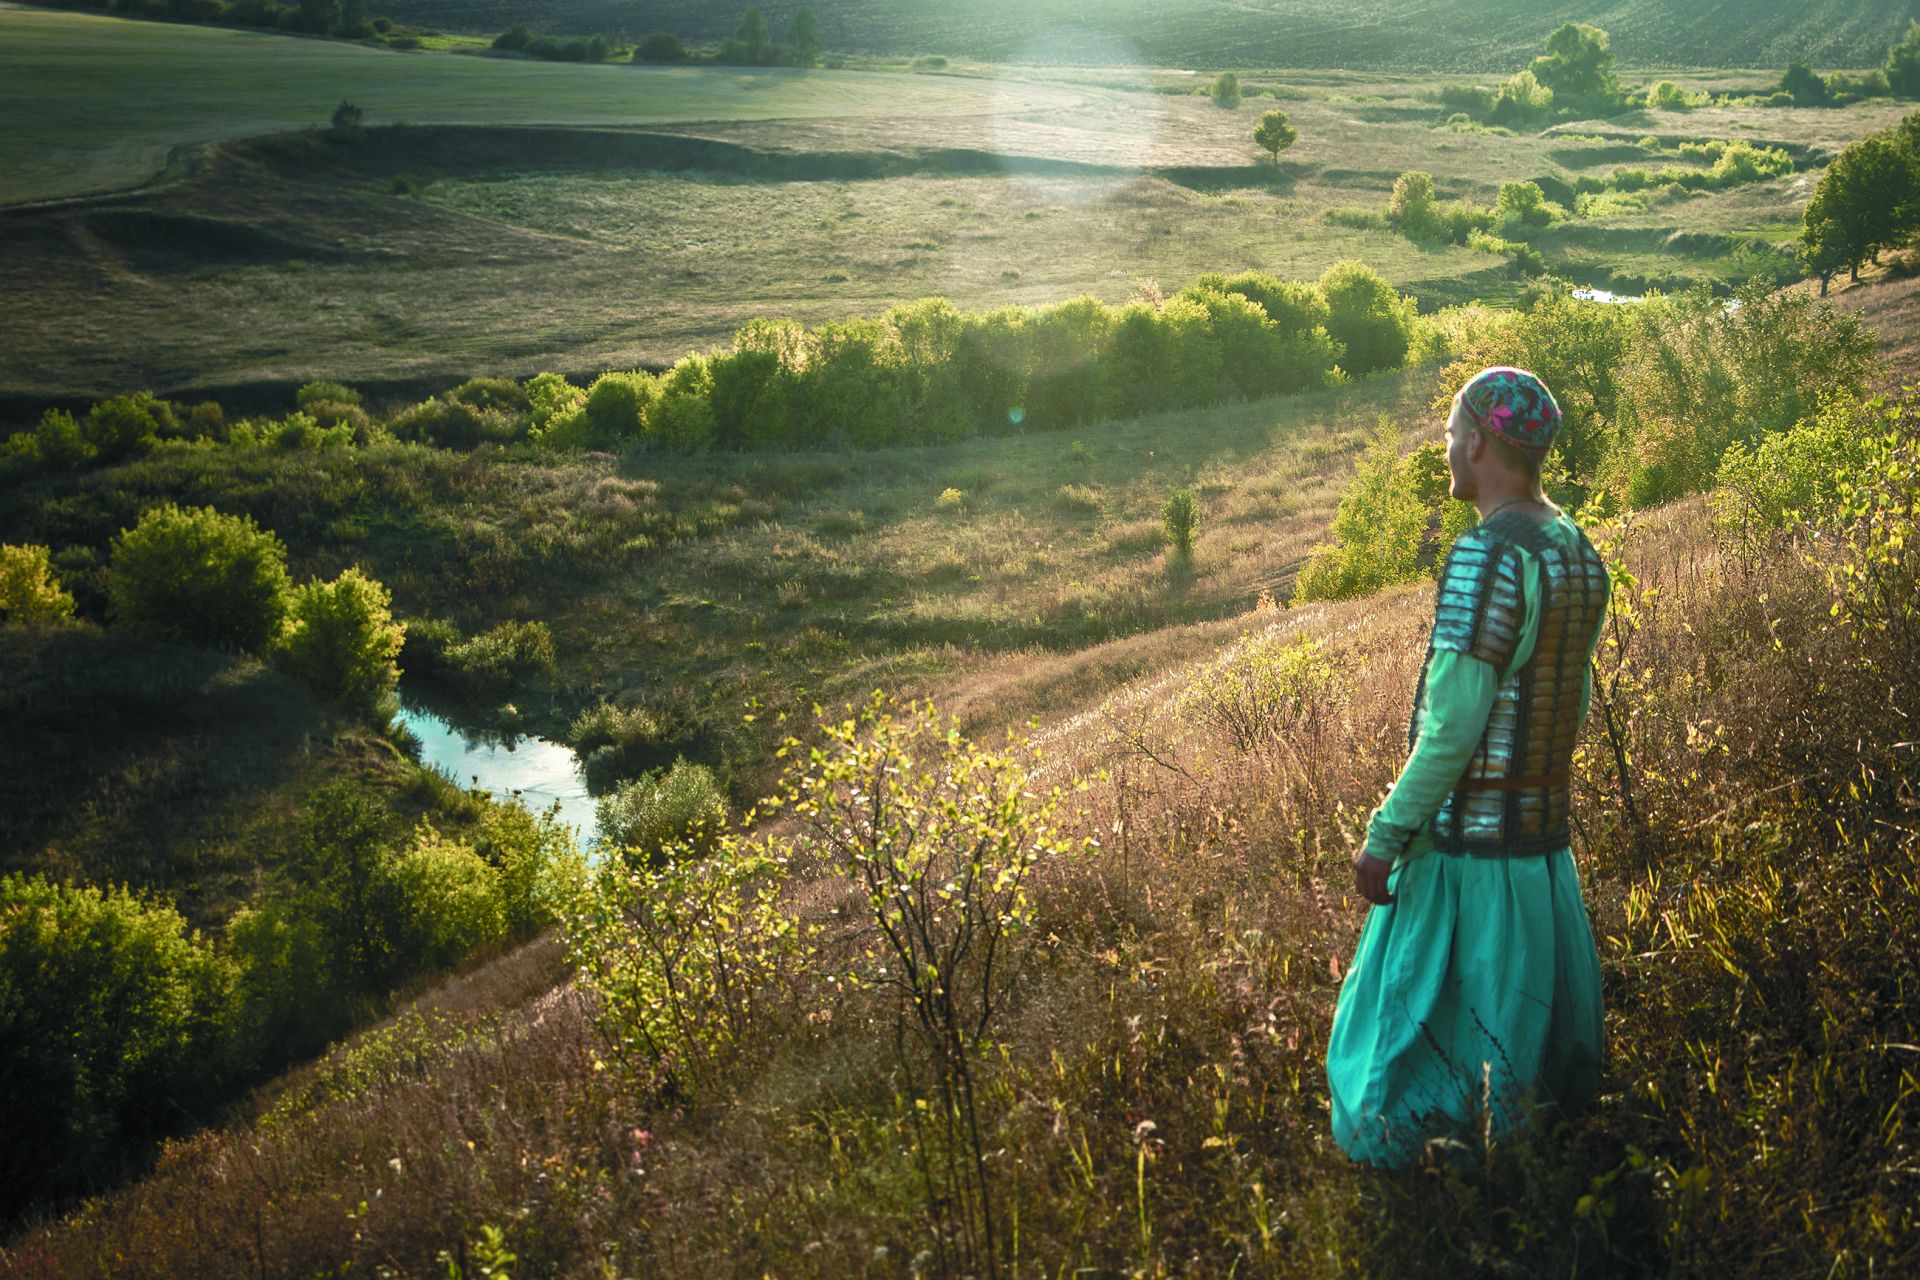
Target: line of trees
(343, 19)
(1868, 201)
(921, 373)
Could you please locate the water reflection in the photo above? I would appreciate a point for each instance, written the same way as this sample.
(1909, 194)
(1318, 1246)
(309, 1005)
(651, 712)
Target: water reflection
(532, 770)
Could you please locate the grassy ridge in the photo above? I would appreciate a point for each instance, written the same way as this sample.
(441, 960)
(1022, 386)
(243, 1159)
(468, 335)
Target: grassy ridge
(1480, 35)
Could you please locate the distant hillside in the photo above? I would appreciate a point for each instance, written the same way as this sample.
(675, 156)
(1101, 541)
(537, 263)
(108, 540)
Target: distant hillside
(1412, 34)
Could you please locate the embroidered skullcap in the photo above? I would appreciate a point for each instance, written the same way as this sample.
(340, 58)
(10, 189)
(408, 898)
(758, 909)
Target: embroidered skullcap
(1514, 405)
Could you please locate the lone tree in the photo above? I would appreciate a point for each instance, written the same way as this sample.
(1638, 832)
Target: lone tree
(1903, 64)
(1868, 201)
(1274, 134)
(1226, 90)
(1578, 68)
(346, 124)
(1804, 85)
(749, 42)
(803, 37)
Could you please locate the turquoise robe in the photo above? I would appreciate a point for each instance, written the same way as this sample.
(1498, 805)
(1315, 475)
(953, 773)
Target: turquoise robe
(1477, 992)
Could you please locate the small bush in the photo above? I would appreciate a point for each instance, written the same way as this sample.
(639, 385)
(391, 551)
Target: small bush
(114, 1029)
(660, 46)
(333, 392)
(1372, 322)
(1376, 529)
(123, 427)
(514, 39)
(928, 62)
(191, 575)
(1264, 692)
(1078, 499)
(951, 499)
(682, 808)
(616, 743)
(448, 903)
(341, 642)
(1178, 516)
(30, 595)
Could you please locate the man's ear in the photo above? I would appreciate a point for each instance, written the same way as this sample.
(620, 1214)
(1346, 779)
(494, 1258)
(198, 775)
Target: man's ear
(1477, 446)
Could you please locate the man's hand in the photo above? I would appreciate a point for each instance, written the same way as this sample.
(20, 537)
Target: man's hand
(1370, 878)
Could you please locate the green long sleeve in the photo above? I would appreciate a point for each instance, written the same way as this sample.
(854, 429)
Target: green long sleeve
(1459, 695)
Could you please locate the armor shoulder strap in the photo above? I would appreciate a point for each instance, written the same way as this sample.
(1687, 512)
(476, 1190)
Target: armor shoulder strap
(1482, 601)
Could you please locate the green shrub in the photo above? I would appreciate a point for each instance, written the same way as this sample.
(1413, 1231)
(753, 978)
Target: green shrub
(616, 743)
(1366, 317)
(1226, 90)
(534, 863)
(29, 593)
(191, 575)
(340, 641)
(60, 443)
(123, 427)
(452, 424)
(313, 393)
(1178, 516)
(1767, 487)
(616, 407)
(660, 46)
(1264, 692)
(448, 903)
(681, 415)
(1376, 531)
(502, 395)
(682, 809)
(514, 39)
(115, 1029)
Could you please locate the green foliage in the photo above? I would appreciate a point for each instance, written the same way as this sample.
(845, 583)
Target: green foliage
(1523, 206)
(616, 743)
(1521, 101)
(123, 427)
(1412, 208)
(1274, 134)
(1876, 577)
(1267, 691)
(312, 393)
(683, 958)
(1670, 96)
(1578, 70)
(1178, 516)
(660, 47)
(114, 1030)
(1367, 318)
(344, 125)
(1868, 200)
(341, 641)
(191, 575)
(30, 595)
(1376, 530)
(664, 815)
(616, 406)
(447, 903)
(514, 39)
(1804, 86)
(1781, 482)
(487, 664)
(939, 838)
(1696, 378)
(459, 424)
(1226, 93)
(1903, 63)
(803, 37)
(1469, 99)
(681, 416)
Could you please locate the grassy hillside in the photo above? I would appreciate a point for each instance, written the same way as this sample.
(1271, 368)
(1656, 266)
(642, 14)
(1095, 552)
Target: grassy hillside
(93, 103)
(1154, 1084)
(1481, 35)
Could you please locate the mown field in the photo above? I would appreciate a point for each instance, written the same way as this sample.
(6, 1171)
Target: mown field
(415, 257)
(1479, 35)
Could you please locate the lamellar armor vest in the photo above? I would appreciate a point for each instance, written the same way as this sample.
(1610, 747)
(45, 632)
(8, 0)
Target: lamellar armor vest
(1514, 799)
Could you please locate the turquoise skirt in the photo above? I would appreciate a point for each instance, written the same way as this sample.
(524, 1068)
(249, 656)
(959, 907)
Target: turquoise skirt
(1473, 997)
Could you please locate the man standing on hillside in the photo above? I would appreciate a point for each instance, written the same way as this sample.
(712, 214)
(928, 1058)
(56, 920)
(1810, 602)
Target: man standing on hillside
(1476, 987)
